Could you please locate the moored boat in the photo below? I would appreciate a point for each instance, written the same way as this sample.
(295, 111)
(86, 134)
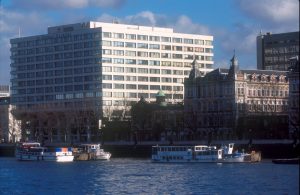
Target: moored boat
(91, 152)
(199, 153)
(287, 161)
(202, 154)
(32, 151)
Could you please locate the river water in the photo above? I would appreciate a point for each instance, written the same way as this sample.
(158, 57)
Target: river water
(140, 176)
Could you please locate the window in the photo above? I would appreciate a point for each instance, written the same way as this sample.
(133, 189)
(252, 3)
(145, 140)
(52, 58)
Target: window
(154, 71)
(130, 61)
(142, 62)
(144, 79)
(106, 51)
(163, 71)
(106, 43)
(177, 40)
(177, 72)
(118, 94)
(165, 55)
(199, 42)
(166, 39)
(189, 49)
(131, 36)
(106, 34)
(143, 70)
(130, 45)
(177, 80)
(177, 56)
(154, 63)
(118, 86)
(154, 46)
(130, 86)
(106, 69)
(142, 54)
(188, 41)
(130, 78)
(118, 44)
(142, 37)
(154, 54)
(106, 60)
(119, 35)
(118, 61)
(130, 70)
(130, 53)
(106, 77)
(142, 45)
(143, 87)
(166, 47)
(154, 79)
(166, 80)
(154, 87)
(118, 69)
(154, 38)
(107, 94)
(166, 63)
(177, 64)
(118, 52)
(106, 85)
(118, 78)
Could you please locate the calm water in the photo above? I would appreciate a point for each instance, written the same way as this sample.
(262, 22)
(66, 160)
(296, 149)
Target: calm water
(140, 176)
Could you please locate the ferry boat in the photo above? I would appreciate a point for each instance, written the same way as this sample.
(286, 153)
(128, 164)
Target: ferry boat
(32, 151)
(201, 153)
(91, 152)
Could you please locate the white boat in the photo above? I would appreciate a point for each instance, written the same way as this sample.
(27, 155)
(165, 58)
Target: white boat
(199, 153)
(92, 152)
(232, 157)
(202, 153)
(32, 151)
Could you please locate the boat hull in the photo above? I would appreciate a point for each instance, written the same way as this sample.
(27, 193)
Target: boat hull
(287, 161)
(31, 157)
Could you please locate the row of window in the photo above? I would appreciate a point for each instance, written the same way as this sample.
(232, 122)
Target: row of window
(155, 38)
(67, 96)
(59, 38)
(155, 63)
(42, 90)
(60, 72)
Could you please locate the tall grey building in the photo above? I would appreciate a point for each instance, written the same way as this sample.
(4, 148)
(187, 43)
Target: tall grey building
(98, 67)
(275, 50)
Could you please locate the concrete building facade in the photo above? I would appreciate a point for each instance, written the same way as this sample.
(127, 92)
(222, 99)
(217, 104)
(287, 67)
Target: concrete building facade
(98, 67)
(233, 103)
(275, 50)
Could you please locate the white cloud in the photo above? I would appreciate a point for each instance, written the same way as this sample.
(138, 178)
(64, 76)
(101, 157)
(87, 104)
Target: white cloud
(282, 14)
(60, 4)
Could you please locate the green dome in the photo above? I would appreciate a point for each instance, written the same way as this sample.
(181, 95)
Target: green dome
(160, 93)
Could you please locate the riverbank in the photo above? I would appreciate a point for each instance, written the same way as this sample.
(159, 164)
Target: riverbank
(269, 148)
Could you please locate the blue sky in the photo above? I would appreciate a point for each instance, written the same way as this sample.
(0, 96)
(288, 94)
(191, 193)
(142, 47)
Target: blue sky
(233, 23)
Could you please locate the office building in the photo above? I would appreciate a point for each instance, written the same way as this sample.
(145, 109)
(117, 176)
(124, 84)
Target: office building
(99, 67)
(275, 50)
(233, 103)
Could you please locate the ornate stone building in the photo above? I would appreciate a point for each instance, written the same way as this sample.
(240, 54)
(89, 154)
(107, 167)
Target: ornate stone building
(233, 103)
(294, 96)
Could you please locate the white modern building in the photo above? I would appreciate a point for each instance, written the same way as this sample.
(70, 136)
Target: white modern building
(103, 66)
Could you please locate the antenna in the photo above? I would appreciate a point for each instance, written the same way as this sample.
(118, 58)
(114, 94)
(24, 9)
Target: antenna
(19, 32)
